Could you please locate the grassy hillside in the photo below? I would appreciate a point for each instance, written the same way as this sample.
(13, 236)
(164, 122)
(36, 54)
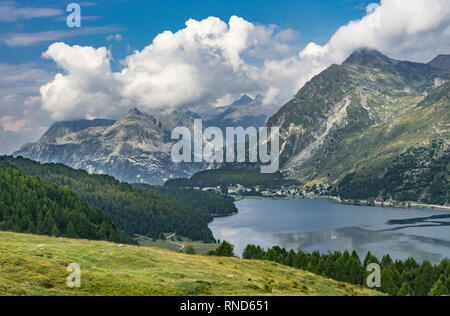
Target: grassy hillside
(36, 265)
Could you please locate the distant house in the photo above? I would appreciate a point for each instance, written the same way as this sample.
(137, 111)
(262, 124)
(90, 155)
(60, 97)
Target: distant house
(379, 201)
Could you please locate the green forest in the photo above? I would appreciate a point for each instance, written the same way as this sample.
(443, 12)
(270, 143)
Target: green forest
(32, 205)
(419, 174)
(398, 278)
(215, 204)
(132, 210)
(230, 176)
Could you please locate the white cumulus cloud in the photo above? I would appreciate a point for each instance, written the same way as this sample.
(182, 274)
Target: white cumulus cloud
(210, 61)
(194, 67)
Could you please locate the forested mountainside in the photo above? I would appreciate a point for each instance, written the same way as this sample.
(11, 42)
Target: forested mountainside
(232, 176)
(131, 210)
(29, 204)
(419, 174)
(362, 116)
(212, 203)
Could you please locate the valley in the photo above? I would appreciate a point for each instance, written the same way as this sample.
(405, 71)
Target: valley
(371, 133)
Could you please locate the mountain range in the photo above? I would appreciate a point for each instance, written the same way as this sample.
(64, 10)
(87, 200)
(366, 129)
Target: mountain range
(137, 147)
(358, 117)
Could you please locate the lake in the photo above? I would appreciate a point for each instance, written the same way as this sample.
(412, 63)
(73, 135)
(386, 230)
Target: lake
(319, 224)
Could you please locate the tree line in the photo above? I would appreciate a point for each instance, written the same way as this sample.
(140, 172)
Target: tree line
(398, 278)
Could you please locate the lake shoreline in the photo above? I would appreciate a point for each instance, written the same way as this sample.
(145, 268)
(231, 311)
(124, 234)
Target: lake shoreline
(355, 203)
(324, 224)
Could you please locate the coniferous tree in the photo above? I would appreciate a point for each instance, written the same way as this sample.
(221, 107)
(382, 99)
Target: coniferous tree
(387, 283)
(440, 287)
(405, 290)
(225, 250)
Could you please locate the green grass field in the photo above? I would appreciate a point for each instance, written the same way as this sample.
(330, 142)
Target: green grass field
(36, 265)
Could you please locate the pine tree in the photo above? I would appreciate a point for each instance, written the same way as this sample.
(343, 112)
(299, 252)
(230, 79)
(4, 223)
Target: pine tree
(406, 290)
(55, 231)
(225, 250)
(190, 250)
(387, 283)
(440, 287)
(70, 231)
(249, 252)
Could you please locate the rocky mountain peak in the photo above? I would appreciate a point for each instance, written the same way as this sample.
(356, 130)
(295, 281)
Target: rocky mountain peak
(134, 111)
(243, 100)
(135, 115)
(368, 57)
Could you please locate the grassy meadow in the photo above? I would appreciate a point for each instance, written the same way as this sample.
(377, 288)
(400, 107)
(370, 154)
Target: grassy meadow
(36, 265)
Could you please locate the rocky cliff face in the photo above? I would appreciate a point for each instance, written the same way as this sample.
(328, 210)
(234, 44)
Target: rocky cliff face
(134, 149)
(358, 114)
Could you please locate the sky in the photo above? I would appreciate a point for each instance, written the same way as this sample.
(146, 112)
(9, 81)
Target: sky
(188, 54)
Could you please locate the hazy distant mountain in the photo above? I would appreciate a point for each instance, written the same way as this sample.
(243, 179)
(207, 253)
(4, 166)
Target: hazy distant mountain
(244, 112)
(441, 62)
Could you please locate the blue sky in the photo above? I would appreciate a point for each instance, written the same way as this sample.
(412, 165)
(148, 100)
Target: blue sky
(139, 21)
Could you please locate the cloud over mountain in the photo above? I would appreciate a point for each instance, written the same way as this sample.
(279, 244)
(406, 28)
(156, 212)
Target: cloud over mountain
(195, 66)
(210, 60)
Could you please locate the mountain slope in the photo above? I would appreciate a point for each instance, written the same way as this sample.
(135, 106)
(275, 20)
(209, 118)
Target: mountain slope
(107, 269)
(362, 113)
(441, 62)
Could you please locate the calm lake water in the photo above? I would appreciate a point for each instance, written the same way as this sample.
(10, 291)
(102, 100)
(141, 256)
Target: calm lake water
(322, 225)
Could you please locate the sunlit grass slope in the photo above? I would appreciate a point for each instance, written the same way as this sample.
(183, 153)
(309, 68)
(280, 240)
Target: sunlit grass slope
(36, 265)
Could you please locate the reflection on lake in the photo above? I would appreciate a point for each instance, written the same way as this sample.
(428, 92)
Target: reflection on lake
(325, 226)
